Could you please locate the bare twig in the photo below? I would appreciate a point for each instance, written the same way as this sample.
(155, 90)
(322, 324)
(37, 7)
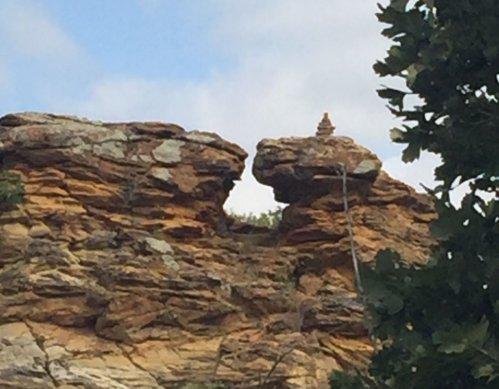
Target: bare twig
(219, 358)
(350, 233)
(279, 359)
(355, 261)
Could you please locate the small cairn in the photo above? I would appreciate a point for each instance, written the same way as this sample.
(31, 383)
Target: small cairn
(325, 127)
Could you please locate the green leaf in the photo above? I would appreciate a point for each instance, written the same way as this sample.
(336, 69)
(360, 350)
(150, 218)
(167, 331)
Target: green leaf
(477, 334)
(399, 5)
(394, 304)
(411, 152)
(386, 261)
(395, 97)
(382, 69)
(420, 351)
(412, 73)
(483, 371)
(447, 223)
(462, 337)
(346, 380)
(397, 135)
(452, 348)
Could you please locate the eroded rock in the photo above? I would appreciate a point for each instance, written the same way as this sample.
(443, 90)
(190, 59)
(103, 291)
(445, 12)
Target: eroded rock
(298, 168)
(119, 271)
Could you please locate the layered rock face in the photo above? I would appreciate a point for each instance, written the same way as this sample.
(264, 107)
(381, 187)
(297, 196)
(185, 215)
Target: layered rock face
(121, 270)
(308, 173)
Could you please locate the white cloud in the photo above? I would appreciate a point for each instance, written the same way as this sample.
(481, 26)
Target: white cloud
(421, 171)
(30, 32)
(131, 99)
(294, 60)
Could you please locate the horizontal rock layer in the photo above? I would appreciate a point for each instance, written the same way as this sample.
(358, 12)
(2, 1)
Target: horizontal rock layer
(299, 168)
(119, 269)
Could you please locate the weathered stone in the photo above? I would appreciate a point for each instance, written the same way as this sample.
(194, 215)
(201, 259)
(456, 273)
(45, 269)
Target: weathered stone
(119, 269)
(169, 152)
(162, 174)
(170, 262)
(23, 363)
(158, 246)
(110, 149)
(39, 230)
(312, 167)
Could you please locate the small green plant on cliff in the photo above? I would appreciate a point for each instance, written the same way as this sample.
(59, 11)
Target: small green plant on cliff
(270, 219)
(11, 189)
(439, 325)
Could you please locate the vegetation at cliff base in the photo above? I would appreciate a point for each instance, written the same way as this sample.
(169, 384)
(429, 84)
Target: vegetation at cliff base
(438, 327)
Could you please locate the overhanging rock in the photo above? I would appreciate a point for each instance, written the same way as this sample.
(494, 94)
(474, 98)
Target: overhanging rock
(312, 167)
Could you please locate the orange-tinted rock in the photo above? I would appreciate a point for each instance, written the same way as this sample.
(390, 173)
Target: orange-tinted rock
(308, 174)
(303, 168)
(119, 270)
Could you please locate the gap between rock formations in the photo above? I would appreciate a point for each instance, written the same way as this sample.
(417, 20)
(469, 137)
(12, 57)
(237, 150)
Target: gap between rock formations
(120, 269)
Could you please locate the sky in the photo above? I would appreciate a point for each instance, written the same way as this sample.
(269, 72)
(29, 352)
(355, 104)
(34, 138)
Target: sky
(245, 69)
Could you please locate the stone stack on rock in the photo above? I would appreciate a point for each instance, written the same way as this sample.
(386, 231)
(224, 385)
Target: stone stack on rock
(325, 127)
(118, 269)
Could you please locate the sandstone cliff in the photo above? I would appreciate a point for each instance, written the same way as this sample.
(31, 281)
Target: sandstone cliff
(121, 270)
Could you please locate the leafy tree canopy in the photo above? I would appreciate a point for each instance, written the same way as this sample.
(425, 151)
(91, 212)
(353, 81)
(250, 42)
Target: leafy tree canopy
(438, 326)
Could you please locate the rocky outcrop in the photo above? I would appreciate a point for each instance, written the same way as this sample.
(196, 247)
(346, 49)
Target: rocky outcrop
(307, 168)
(308, 173)
(121, 270)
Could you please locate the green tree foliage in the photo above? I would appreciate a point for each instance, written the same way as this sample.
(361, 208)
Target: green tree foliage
(270, 219)
(439, 325)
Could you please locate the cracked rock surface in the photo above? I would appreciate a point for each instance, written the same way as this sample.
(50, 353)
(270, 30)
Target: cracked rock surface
(120, 269)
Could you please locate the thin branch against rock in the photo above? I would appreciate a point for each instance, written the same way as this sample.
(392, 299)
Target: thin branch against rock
(355, 260)
(279, 359)
(350, 233)
(219, 357)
